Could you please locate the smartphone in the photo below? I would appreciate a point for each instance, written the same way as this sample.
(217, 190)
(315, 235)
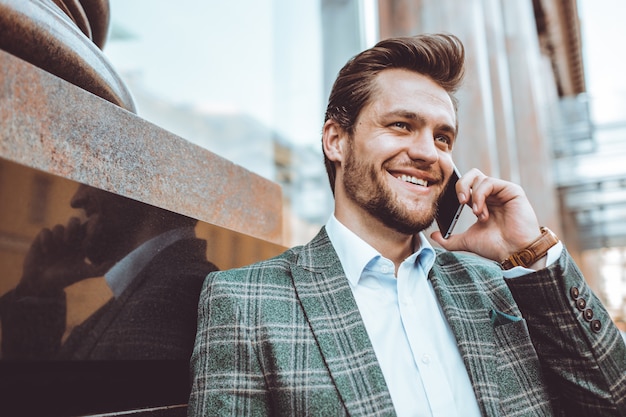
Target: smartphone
(448, 208)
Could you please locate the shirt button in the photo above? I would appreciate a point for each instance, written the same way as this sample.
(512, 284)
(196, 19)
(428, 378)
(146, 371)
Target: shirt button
(385, 269)
(426, 359)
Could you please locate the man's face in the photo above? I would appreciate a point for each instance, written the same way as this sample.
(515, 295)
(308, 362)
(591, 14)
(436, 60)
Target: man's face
(112, 221)
(399, 158)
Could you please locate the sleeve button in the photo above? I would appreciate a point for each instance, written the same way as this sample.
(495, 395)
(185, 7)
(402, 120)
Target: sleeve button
(596, 325)
(581, 304)
(574, 292)
(588, 314)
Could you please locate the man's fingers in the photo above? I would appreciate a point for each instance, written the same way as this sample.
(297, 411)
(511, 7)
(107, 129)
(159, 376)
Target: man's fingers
(475, 187)
(452, 243)
(74, 233)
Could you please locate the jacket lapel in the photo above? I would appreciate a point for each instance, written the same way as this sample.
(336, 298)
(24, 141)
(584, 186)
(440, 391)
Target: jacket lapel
(333, 315)
(468, 312)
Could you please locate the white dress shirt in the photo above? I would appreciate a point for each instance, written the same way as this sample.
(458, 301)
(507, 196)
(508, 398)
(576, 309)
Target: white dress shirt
(119, 277)
(411, 337)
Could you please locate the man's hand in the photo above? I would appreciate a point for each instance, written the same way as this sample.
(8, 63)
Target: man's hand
(55, 260)
(506, 222)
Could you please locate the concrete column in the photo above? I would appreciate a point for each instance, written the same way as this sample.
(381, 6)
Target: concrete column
(532, 88)
(503, 113)
(341, 31)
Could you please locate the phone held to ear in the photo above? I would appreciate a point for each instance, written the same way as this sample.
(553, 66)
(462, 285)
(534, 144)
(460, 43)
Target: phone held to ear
(448, 208)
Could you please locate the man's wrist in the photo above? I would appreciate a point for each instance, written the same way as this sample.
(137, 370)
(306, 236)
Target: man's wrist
(533, 255)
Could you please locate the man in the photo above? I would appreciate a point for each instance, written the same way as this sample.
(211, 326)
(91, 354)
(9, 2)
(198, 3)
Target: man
(154, 267)
(367, 319)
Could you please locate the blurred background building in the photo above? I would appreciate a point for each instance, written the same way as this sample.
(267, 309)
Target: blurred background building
(543, 105)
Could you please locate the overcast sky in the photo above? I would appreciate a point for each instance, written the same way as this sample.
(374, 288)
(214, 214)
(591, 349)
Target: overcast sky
(227, 57)
(603, 25)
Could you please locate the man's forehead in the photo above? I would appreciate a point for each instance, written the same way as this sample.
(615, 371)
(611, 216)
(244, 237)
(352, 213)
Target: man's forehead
(403, 91)
(412, 80)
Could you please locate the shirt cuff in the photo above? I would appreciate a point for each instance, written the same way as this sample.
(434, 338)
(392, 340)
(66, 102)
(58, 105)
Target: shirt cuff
(553, 254)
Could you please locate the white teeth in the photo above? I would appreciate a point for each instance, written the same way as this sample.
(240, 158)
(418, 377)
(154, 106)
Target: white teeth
(413, 180)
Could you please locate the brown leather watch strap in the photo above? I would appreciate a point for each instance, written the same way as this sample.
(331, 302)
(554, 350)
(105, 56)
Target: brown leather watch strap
(533, 252)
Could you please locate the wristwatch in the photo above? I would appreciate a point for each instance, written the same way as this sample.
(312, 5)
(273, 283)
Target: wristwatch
(533, 252)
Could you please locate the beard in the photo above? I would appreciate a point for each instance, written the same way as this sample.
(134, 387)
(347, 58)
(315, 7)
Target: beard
(99, 242)
(109, 234)
(364, 185)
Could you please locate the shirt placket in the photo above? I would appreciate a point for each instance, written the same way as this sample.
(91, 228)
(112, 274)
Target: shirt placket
(420, 318)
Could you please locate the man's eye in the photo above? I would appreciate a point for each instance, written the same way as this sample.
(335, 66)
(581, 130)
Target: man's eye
(443, 139)
(400, 125)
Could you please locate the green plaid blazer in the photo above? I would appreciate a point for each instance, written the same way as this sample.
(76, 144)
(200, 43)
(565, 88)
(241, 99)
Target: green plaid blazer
(284, 337)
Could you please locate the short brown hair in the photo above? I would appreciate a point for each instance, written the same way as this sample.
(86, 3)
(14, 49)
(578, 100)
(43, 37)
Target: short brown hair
(439, 56)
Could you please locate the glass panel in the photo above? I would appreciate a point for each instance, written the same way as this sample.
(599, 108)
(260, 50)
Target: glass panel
(99, 294)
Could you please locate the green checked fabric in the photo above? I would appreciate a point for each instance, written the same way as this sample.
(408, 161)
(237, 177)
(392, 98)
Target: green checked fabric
(284, 337)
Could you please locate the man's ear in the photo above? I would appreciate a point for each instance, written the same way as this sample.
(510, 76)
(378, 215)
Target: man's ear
(333, 141)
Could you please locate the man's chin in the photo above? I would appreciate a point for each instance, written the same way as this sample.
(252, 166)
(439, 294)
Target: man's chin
(100, 267)
(95, 258)
(409, 227)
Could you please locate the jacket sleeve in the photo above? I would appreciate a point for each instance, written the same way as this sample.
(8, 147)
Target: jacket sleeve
(581, 352)
(227, 379)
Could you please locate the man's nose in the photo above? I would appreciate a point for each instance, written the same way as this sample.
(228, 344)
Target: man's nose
(423, 147)
(80, 197)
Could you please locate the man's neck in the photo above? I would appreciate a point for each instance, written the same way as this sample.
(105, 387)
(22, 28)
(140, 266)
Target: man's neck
(390, 243)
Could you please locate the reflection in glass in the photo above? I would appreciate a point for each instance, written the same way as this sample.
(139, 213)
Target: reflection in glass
(152, 263)
(94, 275)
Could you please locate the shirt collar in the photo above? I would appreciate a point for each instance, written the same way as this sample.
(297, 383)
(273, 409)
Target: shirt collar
(354, 253)
(122, 273)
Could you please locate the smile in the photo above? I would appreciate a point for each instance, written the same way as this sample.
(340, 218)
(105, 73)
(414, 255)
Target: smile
(413, 180)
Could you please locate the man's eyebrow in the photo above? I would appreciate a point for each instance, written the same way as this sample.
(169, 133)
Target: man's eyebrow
(447, 129)
(406, 114)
